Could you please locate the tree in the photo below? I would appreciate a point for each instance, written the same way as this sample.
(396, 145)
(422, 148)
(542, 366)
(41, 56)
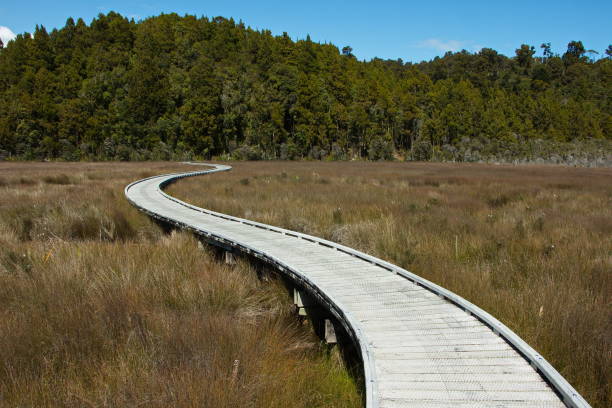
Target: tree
(574, 54)
(609, 51)
(592, 54)
(546, 50)
(347, 51)
(524, 56)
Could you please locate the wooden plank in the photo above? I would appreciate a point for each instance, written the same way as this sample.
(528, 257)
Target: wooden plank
(470, 395)
(444, 403)
(413, 379)
(464, 372)
(488, 386)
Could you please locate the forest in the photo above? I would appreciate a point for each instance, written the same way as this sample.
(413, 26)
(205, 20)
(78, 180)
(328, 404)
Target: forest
(182, 87)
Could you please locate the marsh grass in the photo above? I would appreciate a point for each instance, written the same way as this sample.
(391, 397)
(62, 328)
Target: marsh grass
(531, 245)
(61, 179)
(99, 308)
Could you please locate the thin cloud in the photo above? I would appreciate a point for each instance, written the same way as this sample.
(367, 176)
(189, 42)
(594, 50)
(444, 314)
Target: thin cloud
(6, 34)
(442, 45)
(477, 47)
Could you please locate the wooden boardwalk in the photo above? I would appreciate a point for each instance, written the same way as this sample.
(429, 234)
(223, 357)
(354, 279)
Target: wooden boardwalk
(421, 345)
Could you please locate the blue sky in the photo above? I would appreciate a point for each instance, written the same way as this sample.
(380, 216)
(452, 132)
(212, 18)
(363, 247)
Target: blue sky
(411, 30)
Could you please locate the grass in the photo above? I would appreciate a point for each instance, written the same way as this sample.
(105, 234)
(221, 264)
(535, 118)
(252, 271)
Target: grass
(531, 245)
(98, 307)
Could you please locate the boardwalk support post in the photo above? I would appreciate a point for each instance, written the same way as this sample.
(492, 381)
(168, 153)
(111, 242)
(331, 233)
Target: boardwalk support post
(302, 301)
(229, 258)
(330, 332)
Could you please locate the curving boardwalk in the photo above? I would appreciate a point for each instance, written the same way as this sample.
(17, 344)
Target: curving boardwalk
(421, 345)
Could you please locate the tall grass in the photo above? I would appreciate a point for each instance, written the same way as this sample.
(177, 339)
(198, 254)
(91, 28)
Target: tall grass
(531, 245)
(99, 308)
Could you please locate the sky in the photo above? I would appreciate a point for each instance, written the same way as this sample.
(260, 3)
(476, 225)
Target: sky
(388, 29)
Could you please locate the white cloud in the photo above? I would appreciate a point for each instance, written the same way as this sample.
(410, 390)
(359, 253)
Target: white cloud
(476, 47)
(442, 45)
(6, 34)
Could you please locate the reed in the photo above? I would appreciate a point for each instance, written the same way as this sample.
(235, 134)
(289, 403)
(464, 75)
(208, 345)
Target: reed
(100, 308)
(529, 244)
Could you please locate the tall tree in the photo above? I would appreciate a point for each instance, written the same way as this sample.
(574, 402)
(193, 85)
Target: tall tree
(524, 56)
(547, 50)
(575, 53)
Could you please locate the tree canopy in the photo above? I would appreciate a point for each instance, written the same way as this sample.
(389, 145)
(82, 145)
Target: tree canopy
(172, 86)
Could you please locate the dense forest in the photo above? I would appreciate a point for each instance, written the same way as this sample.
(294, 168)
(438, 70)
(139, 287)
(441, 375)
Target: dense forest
(172, 87)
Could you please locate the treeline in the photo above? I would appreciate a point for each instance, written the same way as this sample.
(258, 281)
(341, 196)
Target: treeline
(172, 87)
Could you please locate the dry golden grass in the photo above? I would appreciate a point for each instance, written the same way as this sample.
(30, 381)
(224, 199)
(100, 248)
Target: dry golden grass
(531, 245)
(99, 308)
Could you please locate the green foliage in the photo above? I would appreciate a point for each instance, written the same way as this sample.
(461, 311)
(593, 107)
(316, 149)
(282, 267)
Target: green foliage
(422, 150)
(247, 153)
(172, 87)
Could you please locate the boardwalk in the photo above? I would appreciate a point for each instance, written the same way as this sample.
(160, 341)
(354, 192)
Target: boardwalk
(421, 345)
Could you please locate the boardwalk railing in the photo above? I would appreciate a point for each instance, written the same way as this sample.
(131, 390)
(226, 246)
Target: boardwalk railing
(566, 393)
